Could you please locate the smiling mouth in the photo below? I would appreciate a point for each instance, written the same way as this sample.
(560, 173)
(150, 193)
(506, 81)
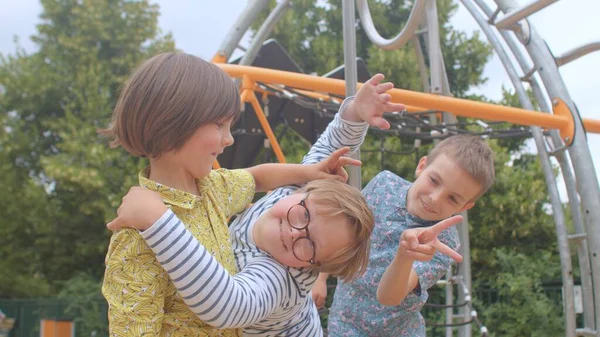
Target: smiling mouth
(281, 235)
(426, 207)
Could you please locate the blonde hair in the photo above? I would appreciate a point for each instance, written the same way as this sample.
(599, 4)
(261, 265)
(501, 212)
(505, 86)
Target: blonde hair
(166, 100)
(472, 154)
(332, 198)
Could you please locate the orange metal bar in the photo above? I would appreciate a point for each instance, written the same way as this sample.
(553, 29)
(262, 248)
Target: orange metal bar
(219, 58)
(322, 96)
(591, 125)
(459, 107)
(249, 96)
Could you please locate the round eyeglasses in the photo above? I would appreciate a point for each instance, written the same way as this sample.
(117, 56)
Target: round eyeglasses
(298, 217)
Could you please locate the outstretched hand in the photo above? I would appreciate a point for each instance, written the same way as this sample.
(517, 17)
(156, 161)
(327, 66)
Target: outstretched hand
(372, 101)
(333, 166)
(422, 243)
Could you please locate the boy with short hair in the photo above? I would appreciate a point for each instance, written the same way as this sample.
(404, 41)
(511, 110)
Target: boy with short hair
(387, 300)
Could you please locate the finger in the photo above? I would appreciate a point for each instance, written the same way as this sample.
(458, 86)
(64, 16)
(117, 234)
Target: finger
(393, 107)
(342, 174)
(445, 224)
(379, 122)
(343, 161)
(385, 98)
(338, 175)
(335, 156)
(418, 256)
(447, 251)
(375, 79)
(427, 249)
(116, 224)
(383, 87)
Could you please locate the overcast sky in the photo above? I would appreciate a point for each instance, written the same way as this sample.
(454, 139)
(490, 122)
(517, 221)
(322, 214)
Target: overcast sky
(199, 26)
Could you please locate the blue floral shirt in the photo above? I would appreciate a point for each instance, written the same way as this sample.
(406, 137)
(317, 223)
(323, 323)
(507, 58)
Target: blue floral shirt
(355, 310)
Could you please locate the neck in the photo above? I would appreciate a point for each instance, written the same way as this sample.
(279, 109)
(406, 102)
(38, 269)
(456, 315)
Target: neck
(170, 173)
(257, 232)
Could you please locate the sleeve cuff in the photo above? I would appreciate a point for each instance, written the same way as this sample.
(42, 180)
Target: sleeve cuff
(342, 107)
(159, 225)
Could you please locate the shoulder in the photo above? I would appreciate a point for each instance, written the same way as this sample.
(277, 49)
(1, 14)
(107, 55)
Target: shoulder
(128, 247)
(384, 183)
(224, 178)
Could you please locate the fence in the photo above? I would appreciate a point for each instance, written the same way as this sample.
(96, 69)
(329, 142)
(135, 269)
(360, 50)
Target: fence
(29, 312)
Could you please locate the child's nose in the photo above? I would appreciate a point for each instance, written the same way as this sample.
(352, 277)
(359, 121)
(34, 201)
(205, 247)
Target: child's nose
(297, 233)
(435, 196)
(228, 140)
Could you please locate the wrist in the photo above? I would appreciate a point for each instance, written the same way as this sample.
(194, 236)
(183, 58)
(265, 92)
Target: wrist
(154, 214)
(349, 111)
(402, 257)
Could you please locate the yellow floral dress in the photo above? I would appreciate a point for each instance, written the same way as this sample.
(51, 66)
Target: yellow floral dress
(142, 299)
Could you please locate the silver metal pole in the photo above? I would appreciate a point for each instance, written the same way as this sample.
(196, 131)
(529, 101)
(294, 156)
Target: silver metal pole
(449, 300)
(465, 271)
(569, 177)
(264, 31)
(434, 49)
(239, 28)
(578, 52)
(350, 74)
(559, 219)
(587, 180)
(421, 62)
(515, 16)
(439, 85)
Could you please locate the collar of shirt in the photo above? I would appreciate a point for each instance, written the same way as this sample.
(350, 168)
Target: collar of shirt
(402, 211)
(171, 196)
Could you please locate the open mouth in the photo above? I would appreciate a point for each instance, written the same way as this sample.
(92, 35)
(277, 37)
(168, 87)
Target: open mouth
(281, 235)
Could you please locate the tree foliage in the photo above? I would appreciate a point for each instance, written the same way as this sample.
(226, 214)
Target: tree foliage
(60, 180)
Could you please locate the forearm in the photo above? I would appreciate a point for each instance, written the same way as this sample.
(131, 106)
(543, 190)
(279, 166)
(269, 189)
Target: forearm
(270, 176)
(343, 131)
(215, 296)
(349, 113)
(322, 278)
(398, 280)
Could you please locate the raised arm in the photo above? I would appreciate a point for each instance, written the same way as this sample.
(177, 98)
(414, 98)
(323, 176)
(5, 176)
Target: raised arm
(271, 176)
(349, 126)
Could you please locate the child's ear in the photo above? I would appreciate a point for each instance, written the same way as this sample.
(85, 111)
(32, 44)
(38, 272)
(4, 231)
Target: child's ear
(422, 165)
(467, 206)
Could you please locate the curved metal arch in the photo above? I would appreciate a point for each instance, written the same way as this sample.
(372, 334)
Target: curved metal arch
(414, 19)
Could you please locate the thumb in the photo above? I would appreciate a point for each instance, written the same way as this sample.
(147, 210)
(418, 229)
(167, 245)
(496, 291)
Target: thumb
(379, 122)
(116, 224)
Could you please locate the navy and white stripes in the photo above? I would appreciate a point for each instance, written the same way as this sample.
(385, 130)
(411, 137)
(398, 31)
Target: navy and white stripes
(265, 297)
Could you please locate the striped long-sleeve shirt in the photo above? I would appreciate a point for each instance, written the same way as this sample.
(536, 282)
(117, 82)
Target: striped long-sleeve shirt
(266, 298)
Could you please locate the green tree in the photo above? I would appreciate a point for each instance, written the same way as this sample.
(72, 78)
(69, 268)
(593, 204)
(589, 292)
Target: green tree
(60, 180)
